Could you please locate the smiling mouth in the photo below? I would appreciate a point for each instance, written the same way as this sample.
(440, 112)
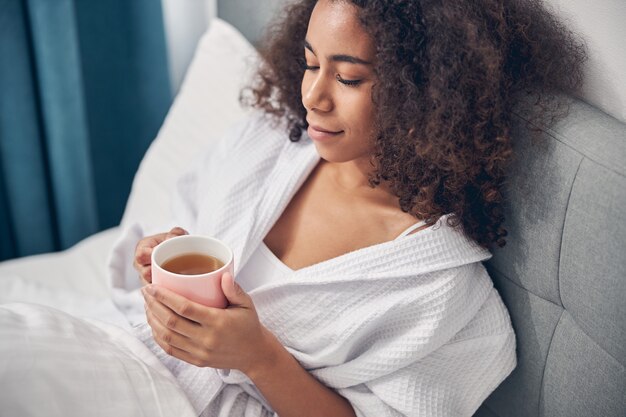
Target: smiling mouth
(320, 134)
(319, 129)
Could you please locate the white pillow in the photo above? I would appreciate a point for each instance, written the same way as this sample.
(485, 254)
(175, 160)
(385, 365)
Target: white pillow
(208, 103)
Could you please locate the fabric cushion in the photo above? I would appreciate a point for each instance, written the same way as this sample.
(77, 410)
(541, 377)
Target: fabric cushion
(205, 106)
(581, 378)
(536, 322)
(563, 272)
(593, 264)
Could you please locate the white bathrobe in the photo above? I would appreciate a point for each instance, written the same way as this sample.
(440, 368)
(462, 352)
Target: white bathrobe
(410, 327)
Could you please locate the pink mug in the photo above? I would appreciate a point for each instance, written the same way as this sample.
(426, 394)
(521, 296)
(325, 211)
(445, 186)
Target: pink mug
(202, 288)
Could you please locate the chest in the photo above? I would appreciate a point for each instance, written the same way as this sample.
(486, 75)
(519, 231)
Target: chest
(321, 223)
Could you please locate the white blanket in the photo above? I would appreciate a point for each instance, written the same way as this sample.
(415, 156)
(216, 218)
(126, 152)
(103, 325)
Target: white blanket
(56, 365)
(410, 327)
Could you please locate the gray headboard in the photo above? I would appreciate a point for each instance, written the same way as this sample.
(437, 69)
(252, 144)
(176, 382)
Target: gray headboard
(563, 272)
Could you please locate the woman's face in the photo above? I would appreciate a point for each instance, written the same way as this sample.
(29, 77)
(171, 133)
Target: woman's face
(337, 83)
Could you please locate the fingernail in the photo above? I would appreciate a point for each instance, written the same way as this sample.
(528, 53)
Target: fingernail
(149, 289)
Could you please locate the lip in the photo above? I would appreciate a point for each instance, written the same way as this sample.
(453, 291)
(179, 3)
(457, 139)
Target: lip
(321, 134)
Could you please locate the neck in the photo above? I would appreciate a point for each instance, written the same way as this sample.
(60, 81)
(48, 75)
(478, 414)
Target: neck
(352, 178)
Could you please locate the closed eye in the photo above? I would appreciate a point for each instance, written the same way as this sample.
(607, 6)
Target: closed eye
(349, 83)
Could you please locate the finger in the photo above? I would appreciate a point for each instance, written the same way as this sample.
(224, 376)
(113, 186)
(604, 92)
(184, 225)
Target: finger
(182, 306)
(143, 255)
(176, 231)
(235, 295)
(146, 274)
(182, 355)
(171, 319)
(167, 336)
(174, 344)
(145, 247)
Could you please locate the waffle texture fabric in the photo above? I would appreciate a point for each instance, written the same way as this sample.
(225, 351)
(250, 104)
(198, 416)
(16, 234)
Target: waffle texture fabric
(409, 327)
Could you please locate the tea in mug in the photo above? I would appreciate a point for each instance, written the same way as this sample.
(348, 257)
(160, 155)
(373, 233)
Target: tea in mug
(192, 264)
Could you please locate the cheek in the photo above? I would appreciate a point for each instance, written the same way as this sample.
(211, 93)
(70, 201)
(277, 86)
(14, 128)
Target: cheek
(362, 111)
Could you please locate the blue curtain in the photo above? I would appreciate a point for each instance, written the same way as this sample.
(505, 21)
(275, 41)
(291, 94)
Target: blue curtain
(84, 88)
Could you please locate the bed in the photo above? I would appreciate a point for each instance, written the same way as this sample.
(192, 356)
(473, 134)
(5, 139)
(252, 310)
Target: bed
(565, 293)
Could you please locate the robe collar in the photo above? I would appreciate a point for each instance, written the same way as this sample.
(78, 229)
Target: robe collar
(436, 248)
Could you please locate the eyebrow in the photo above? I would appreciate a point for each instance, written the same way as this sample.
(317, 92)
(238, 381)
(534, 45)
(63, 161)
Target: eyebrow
(340, 57)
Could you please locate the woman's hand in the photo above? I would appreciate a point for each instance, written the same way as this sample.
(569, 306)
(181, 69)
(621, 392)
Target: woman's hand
(143, 252)
(231, 338)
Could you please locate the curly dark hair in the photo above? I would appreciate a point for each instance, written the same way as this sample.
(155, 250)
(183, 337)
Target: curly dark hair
(450, 74)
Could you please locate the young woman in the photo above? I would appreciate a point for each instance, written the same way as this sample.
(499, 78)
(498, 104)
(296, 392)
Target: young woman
(360, 202)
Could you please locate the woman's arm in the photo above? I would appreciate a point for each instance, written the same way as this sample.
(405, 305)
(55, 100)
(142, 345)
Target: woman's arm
(234, 338)
(290, 389)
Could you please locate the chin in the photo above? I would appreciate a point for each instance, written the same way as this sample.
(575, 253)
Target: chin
(339, 155)
(334, 154)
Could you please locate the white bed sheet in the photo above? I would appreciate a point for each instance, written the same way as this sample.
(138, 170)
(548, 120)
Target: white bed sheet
(57, 365)
(81, 268)
(74, 281)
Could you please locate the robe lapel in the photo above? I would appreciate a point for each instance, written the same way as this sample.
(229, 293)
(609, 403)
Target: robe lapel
(434, 249)
(293, 166)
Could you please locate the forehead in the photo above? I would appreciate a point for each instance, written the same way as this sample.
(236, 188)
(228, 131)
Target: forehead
(334, 28)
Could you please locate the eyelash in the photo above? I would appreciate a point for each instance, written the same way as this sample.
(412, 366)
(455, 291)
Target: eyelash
(348, 83)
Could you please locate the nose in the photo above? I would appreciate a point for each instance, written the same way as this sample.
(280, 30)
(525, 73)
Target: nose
(315, 93)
